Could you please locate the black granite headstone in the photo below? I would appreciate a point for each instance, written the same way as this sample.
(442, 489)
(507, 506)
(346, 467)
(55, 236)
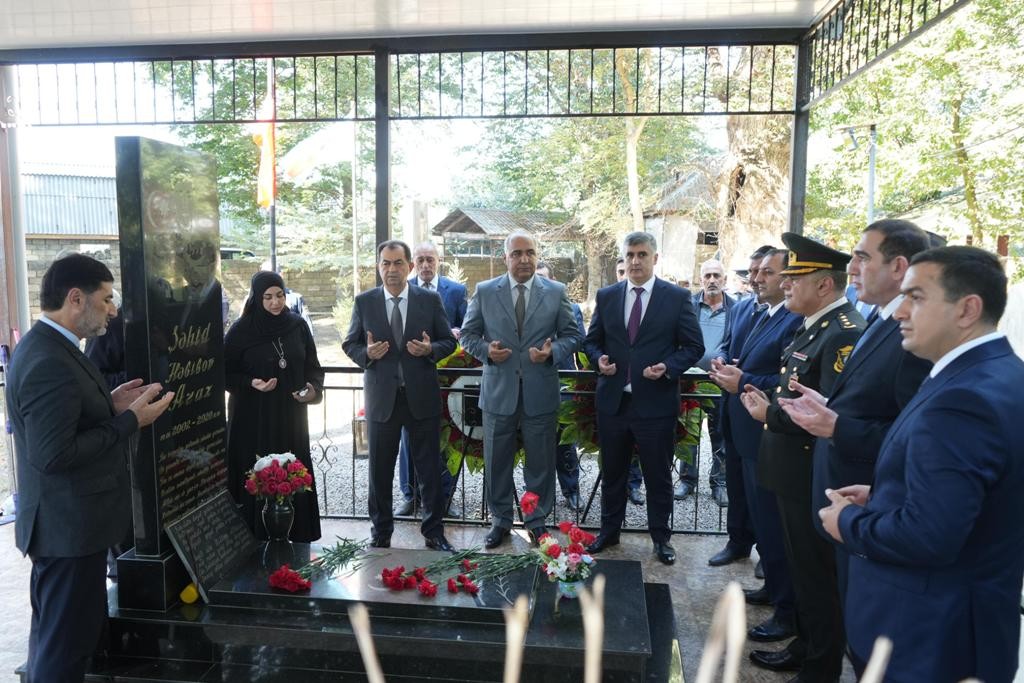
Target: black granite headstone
(212, 540)
(170, 261)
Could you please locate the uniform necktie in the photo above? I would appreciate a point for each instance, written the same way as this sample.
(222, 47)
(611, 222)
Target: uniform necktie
(520, 308)
(397, 332)
(633, 329)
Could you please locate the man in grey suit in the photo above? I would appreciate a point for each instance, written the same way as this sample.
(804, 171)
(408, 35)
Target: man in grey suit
(520, 327)
(71, 434)
(398, 333)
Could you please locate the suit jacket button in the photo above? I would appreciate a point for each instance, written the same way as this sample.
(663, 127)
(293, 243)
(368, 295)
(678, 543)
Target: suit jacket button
(778, 390)
(765, 428)
(807, 448)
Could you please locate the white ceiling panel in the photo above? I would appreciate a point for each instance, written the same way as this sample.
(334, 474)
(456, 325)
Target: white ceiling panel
(81, 23)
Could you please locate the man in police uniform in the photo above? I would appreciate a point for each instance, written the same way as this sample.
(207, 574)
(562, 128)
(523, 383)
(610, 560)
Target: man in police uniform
(814, 288)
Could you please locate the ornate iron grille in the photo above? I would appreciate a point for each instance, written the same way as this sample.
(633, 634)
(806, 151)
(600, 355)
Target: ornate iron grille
(858, 33)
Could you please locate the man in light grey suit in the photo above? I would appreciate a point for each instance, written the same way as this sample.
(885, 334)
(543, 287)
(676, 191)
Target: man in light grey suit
(520, 327)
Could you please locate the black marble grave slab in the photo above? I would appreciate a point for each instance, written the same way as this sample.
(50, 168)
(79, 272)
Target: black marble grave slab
(250, 588)
(272, 642)
(213, 541)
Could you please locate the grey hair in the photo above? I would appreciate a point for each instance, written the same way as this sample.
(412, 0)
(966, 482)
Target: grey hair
(639, 237)
(519, 233)
(426, 245)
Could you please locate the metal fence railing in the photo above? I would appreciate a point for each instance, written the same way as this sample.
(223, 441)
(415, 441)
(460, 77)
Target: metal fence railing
(337, 443)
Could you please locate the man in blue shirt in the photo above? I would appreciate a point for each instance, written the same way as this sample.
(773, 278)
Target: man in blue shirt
(711, 305)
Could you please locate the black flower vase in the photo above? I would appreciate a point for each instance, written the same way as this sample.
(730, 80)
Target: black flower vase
(278, 518)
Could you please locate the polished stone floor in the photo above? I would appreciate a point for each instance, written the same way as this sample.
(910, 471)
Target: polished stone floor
(694, 585)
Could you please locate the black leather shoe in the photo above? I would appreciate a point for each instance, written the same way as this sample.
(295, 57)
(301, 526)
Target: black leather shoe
(720, 496)
(573, 501)
(665, 552)
(759, 570)
(440, 543)
(757, 597)
(783, 660)
(727, 555)
(636, 498)
(495, 536)
(603, 541)
(683, 490)
(771, 630)
(405, 509)
(380, 541)
(536, 532)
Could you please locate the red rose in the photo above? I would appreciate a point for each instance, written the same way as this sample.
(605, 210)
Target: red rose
(462, 578)
(395, 583)
(295, 466)
(467, 565)
(264, 474)
(554, 550)
(576, 548)
(307, 479)
(427, 588)
(470, 588)
(250, 486)
(576, 534)
(588, 538)
(565, 526)
(452, 586)
(529, 502)
(420, 573)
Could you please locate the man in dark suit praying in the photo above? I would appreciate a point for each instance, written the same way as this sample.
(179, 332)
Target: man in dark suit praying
(643, 337)
(398, 333)
(427, 264)
(71, 433)
(936, 543)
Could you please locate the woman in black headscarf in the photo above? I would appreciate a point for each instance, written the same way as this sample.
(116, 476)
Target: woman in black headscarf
(272, 372)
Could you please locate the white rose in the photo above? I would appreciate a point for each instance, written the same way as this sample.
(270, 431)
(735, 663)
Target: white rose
(281, 458)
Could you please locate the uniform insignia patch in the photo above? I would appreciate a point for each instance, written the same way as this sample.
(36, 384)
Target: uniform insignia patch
(841, 355)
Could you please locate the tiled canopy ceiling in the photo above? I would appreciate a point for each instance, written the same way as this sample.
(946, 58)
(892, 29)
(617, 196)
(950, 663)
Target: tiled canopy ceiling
(81, 23)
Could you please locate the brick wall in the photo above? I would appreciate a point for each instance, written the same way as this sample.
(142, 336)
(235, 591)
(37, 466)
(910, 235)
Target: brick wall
(40, 252)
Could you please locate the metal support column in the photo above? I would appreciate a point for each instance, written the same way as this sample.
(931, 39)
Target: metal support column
(801, 129)
(382, 133)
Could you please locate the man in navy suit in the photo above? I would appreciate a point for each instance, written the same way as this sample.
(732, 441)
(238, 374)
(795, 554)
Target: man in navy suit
(754, 361)
(453, 296)
(398, 333)
(852, 424)
(739, 524)
(643, 337)
(937, 544)
(71, 434)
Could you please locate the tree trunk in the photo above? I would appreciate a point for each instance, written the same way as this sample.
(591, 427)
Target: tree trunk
(634, 129)
(963, 163)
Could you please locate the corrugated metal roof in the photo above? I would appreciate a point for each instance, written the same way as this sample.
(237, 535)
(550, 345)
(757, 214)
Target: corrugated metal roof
(80, 205)
(69, 204)
(496, 222)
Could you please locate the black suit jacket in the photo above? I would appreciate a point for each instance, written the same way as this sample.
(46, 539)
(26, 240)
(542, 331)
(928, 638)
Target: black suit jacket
(878, 382)
(424, 313)
(74, 495)
(669, 333)
(816, 357)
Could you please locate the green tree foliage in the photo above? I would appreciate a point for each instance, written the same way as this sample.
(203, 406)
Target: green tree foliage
(949, 110)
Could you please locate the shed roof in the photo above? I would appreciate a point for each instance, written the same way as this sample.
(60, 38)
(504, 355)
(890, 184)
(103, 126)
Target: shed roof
(497, 222)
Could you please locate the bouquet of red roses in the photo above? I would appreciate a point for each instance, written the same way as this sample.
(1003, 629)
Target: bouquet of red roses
(278, 475)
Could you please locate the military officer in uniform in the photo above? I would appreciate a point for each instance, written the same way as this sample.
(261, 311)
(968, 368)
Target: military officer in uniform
(814, 287)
